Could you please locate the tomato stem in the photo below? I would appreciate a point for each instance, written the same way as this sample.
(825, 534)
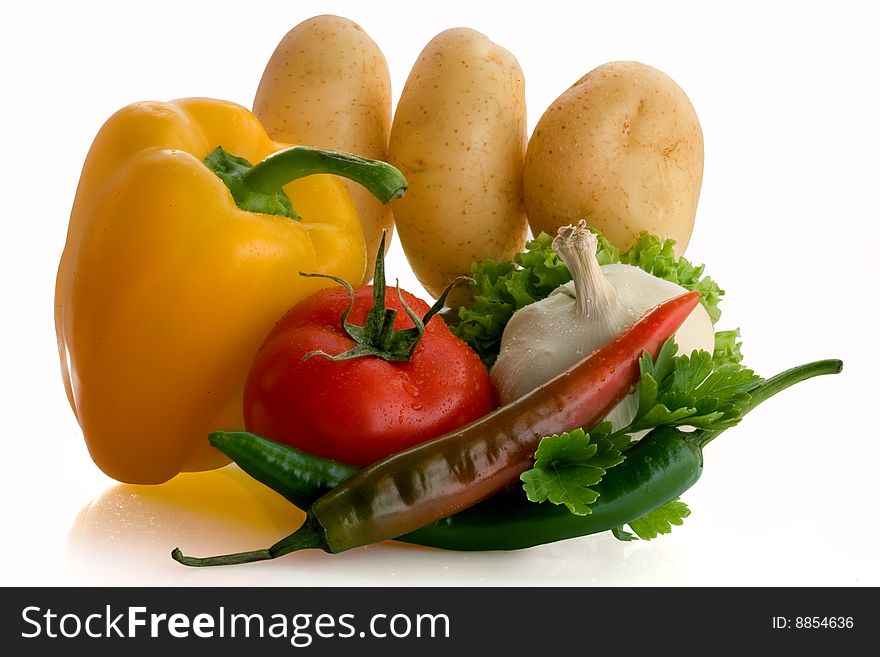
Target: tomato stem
(377, 336)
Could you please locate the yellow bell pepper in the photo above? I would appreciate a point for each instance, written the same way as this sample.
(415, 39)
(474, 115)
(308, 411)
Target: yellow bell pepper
(167, 287)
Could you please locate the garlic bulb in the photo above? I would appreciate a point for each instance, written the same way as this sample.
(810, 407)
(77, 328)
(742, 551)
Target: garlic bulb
(547, 337)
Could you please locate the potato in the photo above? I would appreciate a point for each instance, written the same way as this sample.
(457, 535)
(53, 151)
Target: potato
(623, 149)
(459, 137)
(327, 85)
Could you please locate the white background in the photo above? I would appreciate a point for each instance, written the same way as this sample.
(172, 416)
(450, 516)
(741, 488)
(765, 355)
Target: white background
(787, 94)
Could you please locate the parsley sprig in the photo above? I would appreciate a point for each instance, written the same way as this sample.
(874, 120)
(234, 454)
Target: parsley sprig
(567, 465)
(676, 391)
(659, 521)
(673, 391)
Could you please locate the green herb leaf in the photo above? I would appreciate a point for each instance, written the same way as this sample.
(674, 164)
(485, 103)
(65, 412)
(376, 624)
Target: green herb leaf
(673, 391)
(690, 391)
(566, 465)
(606, 252)
(727, 348)
(622, 535)
(661, 367)
(660, 520)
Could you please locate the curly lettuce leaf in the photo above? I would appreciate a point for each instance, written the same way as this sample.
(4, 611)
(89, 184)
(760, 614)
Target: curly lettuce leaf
(727, 348)
(502, 288)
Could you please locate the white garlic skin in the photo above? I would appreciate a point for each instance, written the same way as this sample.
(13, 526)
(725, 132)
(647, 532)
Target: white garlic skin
(547, 337)
(642, 291)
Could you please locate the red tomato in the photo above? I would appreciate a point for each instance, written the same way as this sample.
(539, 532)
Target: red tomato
(362, 409)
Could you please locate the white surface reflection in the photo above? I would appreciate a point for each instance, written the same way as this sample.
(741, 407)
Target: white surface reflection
(124, 537)
(128, 531)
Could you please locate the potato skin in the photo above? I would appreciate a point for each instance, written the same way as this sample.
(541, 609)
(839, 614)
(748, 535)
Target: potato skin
(327, 85)
(459, 137)
(621, 148)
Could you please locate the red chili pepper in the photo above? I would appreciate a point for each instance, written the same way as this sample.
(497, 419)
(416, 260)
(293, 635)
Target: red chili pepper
(437, 479)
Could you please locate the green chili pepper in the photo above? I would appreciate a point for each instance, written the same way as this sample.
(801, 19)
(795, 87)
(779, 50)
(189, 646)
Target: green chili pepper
(299, 477)
(505, 521)
(658, 469)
